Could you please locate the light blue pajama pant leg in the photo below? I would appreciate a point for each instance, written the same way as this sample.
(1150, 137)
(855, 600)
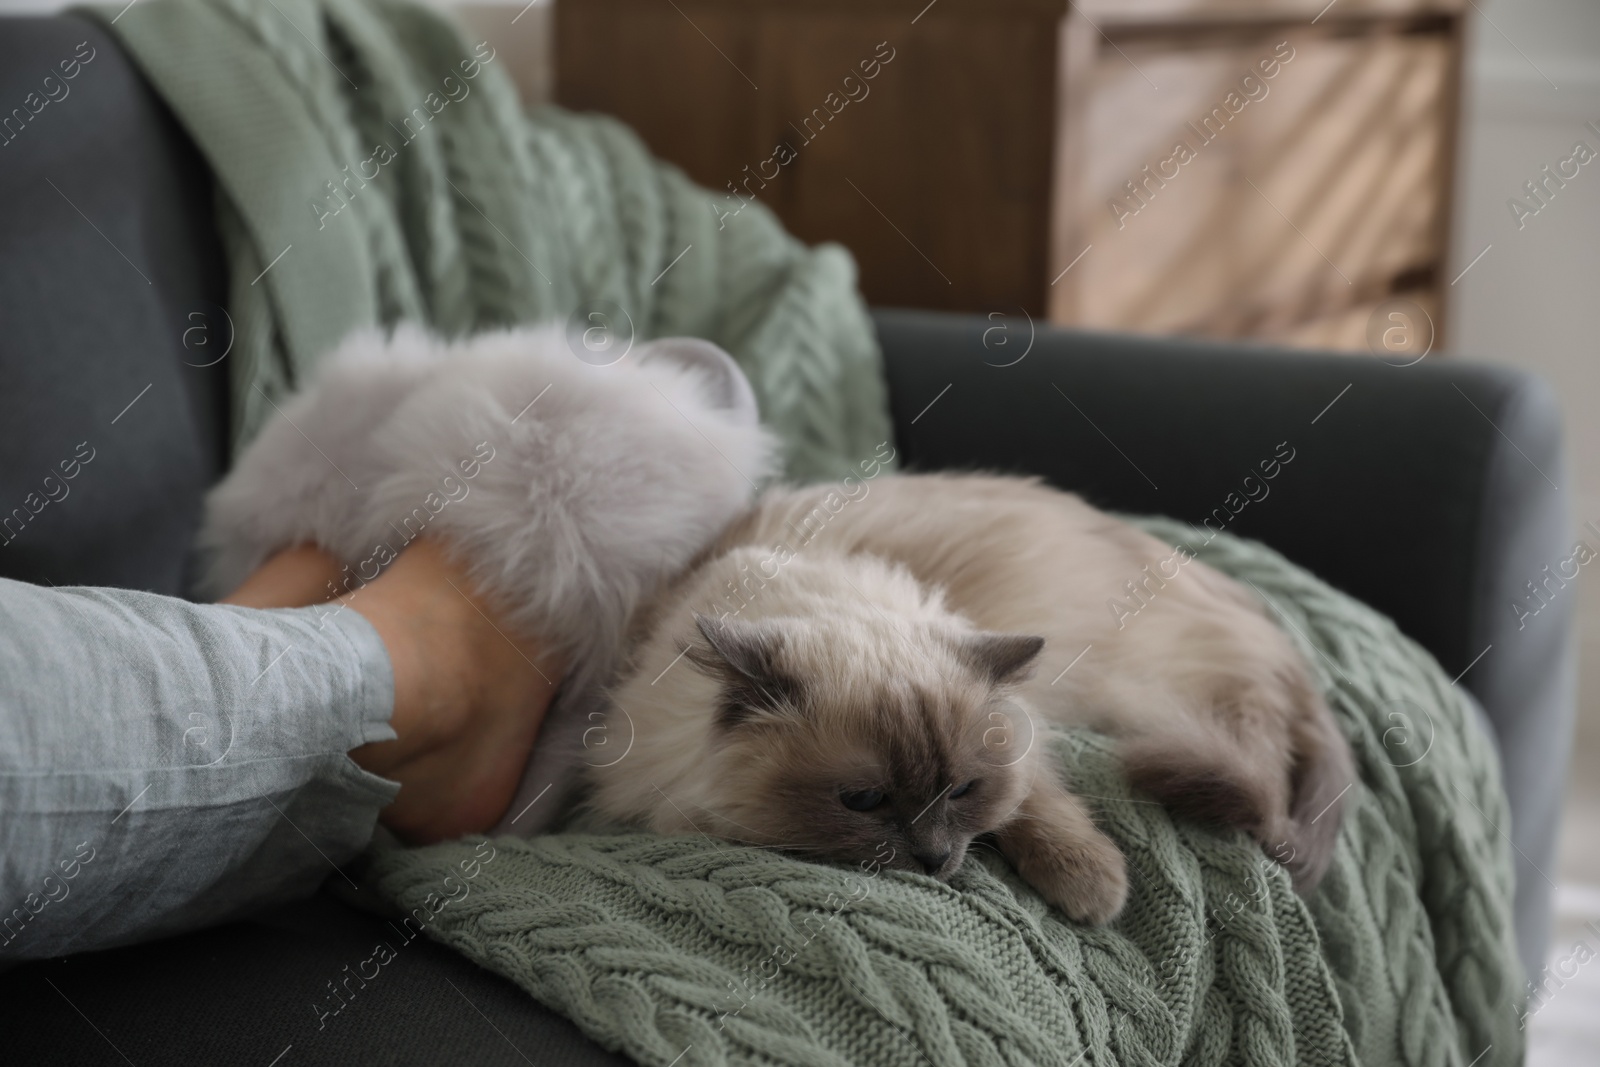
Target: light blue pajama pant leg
(167, 765)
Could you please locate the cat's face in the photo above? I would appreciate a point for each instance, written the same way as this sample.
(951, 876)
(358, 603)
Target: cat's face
(886, 745)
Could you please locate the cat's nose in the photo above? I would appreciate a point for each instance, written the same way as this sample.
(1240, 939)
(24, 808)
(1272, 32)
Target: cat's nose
(932, 861)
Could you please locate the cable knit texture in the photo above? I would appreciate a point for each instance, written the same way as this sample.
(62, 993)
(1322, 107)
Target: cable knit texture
(373, 165)
(689, 950)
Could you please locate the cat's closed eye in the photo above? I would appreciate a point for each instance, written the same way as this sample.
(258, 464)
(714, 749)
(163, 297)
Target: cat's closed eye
(963, 789)
(862, 799)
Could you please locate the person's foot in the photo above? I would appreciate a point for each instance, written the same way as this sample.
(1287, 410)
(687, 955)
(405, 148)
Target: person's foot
(470, 695)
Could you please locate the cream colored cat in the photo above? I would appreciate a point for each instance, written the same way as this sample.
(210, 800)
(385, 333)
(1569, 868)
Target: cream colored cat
(870, 670)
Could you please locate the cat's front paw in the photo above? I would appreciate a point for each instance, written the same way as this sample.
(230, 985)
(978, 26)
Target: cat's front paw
(1087, 879)
(1068, 861)
(1056, 847)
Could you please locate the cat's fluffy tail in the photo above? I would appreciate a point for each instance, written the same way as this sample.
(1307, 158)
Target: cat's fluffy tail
(1324, 773)
(1209, 776)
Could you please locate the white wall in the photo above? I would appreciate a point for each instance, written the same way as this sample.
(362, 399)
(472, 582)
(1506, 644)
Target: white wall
(1534, 300)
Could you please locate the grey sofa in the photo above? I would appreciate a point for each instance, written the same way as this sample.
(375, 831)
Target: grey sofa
(1429, 491)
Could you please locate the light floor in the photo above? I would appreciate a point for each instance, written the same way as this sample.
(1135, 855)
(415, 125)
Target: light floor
(1565, 1030)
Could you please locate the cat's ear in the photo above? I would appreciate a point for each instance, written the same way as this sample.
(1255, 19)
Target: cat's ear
(724, 383)
(743, 656)
(1000, 658)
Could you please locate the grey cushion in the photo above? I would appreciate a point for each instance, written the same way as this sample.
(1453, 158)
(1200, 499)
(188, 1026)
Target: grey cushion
(109, 250)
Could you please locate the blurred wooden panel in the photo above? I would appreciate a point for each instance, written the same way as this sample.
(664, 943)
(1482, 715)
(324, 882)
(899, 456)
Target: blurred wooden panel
(1353, 329)
(1325, 191)
(937, 175)
(976, 170)
(1112, 13)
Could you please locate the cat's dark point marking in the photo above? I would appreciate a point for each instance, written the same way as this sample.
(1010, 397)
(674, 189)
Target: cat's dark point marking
(1000, 658)
(743, 657)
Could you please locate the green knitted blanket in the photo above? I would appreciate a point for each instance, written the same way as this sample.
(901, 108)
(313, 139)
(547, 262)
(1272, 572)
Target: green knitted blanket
(373, 165)
(691, 951)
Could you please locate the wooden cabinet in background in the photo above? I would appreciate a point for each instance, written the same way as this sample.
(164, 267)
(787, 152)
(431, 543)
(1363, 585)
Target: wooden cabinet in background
(1023, 154)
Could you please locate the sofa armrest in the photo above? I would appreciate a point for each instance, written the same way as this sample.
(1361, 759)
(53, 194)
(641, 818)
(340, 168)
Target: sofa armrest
(1432, 492)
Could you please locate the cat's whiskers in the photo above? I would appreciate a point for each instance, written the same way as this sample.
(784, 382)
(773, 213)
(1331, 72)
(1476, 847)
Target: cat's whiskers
(1123, 800)
(759, 843)
(685, 815)
(752, 830)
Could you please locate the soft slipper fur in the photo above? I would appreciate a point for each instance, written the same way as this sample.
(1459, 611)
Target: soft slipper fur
(570, 489)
